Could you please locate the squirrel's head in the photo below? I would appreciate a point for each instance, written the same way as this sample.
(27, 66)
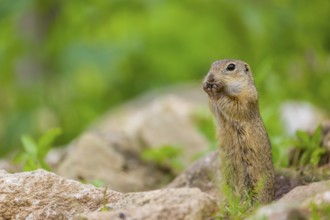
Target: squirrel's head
(231, 78)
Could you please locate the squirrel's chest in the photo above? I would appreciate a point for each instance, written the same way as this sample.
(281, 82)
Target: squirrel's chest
(236, 139)
(237, 148)
(232, 129)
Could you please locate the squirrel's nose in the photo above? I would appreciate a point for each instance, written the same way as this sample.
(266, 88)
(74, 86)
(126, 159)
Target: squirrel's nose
(210, 78)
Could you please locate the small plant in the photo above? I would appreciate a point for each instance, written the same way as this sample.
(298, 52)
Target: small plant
(314, 212)
(33, 156)
(308, 148)
(104, 205)
(320, 211)
(166, 156)
(98, 183)
(233, 207)
(238, 206)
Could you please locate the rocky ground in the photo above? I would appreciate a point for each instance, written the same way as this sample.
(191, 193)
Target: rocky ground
(135, 187)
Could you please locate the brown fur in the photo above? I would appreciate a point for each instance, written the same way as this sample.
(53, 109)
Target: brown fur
(245, 149)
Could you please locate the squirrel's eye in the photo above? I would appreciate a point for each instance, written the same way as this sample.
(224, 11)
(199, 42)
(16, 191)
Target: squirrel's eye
(231, 67)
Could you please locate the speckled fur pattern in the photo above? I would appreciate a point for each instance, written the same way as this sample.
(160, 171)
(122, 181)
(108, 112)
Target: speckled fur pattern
(245, 149)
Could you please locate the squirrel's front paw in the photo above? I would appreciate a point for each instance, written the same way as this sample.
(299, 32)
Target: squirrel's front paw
(212, 88)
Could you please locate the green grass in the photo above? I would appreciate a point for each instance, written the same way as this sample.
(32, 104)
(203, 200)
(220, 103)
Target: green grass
(86, 59)
(308, 148)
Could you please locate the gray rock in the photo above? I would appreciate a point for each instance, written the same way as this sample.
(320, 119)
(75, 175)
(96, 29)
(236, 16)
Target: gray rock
(164, 120)
(203, 174)
(299, 203)
(319, 200)
(159, 204)
(44, 195)
(107, 158)
(111, 149)
(302, 193)
(279, 211)
(7, 164)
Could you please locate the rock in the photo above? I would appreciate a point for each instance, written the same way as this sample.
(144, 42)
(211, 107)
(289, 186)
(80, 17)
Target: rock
(7, 164)
(319, 200)
(43, 195)
(279, 211)
(301, 116)
(159, 204)
(110, 150)
(164, 120)
(302, 202)
(203, 174)
(286, 180)
(55, 156)
(108, 158)
(301, 193)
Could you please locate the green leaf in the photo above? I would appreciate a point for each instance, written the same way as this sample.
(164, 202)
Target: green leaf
(176, 164)
(98, 183)
(303, 138)
(29, 145)
(46, 139)
(34, 154)
(21, 158)
(316, 156)
(317, 137)
(170, 151)
(304, 158)
(163, 156)
(152, 155)
(43, 164)
(30, 165)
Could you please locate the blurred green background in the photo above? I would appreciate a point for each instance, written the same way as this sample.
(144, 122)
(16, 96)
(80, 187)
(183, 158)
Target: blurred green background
(64, 63)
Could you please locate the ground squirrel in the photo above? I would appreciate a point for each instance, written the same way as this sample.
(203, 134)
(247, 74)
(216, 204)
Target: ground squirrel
(245, 150)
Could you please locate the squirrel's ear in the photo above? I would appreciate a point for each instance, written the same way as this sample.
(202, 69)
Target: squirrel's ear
(247, 68)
